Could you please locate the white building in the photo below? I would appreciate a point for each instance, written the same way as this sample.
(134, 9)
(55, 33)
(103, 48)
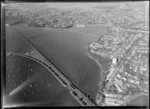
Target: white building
(7, 25)
(113, 102)
(80, 25)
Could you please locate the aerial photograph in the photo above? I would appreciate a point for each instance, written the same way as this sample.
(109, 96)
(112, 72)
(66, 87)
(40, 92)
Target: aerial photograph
(76, 54)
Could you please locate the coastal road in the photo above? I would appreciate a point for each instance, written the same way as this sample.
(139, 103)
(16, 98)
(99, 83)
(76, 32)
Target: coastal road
(83, 98)
(66, 50)
(76, 93)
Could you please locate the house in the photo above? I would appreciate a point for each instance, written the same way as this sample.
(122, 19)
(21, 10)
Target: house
(80, 25)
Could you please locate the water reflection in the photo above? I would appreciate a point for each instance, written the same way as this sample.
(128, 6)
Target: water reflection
(30, 86)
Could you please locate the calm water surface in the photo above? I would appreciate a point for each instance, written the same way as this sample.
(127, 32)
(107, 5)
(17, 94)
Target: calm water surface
(68, 51)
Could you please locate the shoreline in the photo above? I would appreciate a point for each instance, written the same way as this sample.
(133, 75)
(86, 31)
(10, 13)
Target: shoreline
(100, 66)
